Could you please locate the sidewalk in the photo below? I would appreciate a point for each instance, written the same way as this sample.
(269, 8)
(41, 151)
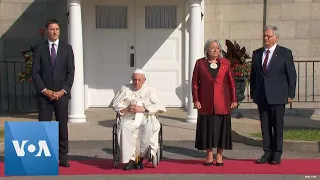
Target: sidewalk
(100, 122)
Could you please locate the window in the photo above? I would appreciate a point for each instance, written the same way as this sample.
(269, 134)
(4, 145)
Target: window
(164, 17)
(112, 17)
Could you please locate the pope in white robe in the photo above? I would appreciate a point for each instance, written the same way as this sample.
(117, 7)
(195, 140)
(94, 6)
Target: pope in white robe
(138, 104)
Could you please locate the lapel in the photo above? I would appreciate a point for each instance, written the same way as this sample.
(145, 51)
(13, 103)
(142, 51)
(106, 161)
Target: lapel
(207, 68)
(273, 58)
(259, 56)
(47, 52)
(205, 64)
(58, 54)
(222, 66)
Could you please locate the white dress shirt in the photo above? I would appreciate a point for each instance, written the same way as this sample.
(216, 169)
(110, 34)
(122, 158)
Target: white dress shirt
(56, 45)
(270, 54)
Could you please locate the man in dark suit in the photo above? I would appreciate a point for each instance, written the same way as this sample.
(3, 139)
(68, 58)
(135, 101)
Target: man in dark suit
(53, 74)
(272, 86)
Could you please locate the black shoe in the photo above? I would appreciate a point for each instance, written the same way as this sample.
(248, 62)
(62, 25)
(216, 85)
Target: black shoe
(275, 160)
(139, 165)
(130, 165)
(264, 158)
(64, 163)
(208, 163)
(219, 164)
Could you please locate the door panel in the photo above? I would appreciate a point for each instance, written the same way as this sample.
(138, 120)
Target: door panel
(158, 46)
(109, 36)
(155, 41)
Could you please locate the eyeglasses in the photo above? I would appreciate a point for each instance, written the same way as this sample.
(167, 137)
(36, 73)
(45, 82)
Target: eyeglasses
(267, 36)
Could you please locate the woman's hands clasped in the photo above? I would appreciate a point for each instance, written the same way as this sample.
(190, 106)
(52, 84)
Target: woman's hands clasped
(197, 105)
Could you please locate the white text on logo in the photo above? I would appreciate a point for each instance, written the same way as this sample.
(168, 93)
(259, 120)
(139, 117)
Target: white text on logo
(42, 144)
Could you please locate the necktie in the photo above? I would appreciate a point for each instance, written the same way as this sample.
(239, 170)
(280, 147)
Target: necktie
(266, 61)
(53, 55)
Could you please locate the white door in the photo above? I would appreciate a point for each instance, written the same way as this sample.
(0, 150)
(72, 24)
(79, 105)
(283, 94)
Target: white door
(122, 35)
(159, 44)
(108, 32)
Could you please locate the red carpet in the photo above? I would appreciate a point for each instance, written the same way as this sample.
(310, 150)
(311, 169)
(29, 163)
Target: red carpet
(288, 166)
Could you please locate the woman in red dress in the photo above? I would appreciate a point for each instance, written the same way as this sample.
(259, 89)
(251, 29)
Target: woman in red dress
(214, 95)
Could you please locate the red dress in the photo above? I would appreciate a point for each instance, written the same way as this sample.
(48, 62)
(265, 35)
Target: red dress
(215, 90)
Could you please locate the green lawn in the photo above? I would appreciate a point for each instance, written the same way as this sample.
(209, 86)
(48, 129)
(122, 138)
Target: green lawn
(1, 134)
(298, 134)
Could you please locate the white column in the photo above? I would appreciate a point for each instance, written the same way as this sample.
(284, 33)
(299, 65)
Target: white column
(195, 50)
(76, 109)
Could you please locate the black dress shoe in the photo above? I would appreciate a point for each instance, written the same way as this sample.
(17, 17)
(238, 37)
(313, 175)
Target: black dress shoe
(275, 160)
(208, 163)
(130, 165)
(264, 158)
(139, 165)
(219, 163)
(64, 163)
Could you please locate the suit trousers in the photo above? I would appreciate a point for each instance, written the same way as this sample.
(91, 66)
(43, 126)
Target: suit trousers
(60, 107)
(271, 117)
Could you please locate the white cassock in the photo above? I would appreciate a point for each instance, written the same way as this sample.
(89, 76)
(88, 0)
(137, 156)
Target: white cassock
(130, 125)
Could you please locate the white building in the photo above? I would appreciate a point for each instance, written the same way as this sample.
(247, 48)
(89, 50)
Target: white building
(102, 33)
(112, 38)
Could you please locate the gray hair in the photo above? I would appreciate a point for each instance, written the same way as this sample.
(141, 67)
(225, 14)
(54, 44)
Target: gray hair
(273, 28)
(208, 43)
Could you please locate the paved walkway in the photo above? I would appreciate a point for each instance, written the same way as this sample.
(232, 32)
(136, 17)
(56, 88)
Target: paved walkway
(100, 122)
(93, 140)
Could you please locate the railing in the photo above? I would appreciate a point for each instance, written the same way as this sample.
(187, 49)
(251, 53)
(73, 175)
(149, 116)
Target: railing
(15, 96)
(308, 82)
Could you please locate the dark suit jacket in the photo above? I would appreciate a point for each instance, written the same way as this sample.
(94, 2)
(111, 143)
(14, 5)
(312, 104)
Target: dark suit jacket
(213, 94)
(57, 77)
(278, 83)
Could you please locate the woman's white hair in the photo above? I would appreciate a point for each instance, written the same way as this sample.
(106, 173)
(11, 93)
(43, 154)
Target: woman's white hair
(208, 43)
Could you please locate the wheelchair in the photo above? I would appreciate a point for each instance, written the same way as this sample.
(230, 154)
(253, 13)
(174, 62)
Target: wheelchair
(116, 149)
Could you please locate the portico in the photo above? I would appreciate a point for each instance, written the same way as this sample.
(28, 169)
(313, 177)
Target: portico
(163, 37)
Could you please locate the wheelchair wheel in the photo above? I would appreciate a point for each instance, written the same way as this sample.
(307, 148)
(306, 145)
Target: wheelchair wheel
(158, 157)
(160, 143)
(115, 148)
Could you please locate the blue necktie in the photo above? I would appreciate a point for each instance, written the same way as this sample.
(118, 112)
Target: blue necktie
(53, 55)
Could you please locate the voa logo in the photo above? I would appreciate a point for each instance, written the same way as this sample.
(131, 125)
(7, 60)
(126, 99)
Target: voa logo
(31, 148)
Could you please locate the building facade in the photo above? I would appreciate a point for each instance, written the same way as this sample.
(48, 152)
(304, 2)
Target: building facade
(111, 38)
